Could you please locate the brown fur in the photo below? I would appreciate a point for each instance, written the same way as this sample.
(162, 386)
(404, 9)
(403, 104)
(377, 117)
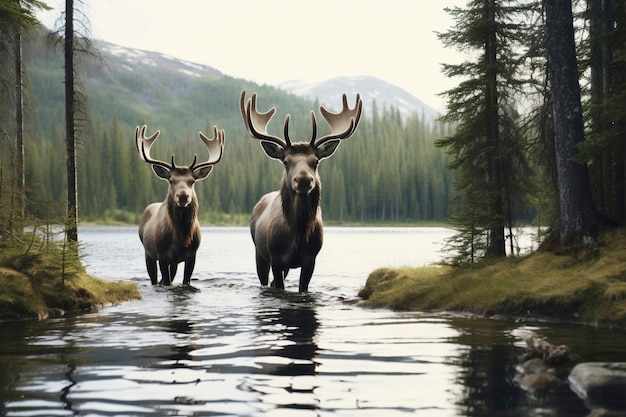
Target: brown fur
(300, 211)
(286, 225)
(184, 219)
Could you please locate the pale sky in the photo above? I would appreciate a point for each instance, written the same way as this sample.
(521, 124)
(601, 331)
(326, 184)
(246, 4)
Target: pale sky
(273, 41)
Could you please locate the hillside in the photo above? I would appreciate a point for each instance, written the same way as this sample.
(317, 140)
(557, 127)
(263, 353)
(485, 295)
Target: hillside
(167, 92)
(130, 87)
(148, 87)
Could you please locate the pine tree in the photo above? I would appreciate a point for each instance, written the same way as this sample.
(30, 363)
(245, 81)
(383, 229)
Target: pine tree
(481, 106)
(15, 18)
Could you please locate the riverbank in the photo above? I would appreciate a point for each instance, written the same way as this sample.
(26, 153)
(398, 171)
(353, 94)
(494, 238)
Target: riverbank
(25, 296)
(589, 286)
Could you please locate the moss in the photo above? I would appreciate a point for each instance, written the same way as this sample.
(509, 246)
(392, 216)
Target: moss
(25, 297)
(589, 285)
(43, 277)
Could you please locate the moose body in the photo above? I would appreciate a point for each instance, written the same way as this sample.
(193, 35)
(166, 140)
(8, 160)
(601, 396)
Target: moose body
(286, 225)
(170, 231)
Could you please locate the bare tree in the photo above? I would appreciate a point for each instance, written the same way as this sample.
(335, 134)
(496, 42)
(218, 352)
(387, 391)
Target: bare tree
(75, 45)
(70, 131)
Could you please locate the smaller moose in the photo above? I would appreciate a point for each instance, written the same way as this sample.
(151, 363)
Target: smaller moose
(170, 231)
(286, 225)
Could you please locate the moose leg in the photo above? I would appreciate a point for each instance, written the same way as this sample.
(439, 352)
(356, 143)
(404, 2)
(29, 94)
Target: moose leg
(262, 269)
(173, 269)
(306, 272)
(278, 278)
(165, 273)
(151, 266)
(189, 265)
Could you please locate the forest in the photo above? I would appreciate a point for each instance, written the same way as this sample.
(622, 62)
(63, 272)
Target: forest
(533, 133)
(366, 181)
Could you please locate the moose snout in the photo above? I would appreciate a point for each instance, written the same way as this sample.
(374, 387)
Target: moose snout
(183, 198)
(303, 183)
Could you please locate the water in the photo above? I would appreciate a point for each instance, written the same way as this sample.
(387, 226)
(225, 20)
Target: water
(226, 347)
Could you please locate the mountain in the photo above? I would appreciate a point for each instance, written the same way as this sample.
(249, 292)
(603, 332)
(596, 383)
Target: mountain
(371, 89)
(130, 87)
(141, 61)
(138, 86)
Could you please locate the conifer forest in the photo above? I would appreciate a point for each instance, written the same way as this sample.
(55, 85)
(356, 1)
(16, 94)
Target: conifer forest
(534, 132)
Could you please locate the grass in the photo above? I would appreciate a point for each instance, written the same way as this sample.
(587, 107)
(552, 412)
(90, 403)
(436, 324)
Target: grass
(588, 286)
(41, 283)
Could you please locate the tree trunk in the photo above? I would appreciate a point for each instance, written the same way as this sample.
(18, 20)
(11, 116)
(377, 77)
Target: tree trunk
(70, 133)
(19, 193)
(600, 65)
(577, 220)
(497, 245)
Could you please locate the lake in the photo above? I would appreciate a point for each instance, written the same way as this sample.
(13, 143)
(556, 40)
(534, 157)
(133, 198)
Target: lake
(227, 347)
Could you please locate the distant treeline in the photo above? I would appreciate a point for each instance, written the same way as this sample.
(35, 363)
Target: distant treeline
(389, 171)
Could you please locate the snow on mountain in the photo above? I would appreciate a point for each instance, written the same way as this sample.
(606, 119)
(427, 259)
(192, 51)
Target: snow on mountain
(371, 89)
(327, 92)
(140, 60)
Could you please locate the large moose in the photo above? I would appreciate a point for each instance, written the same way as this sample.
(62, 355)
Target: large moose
(170, 231)
(286, 225)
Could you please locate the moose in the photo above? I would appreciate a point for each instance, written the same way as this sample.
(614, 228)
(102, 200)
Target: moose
(286, 225)
(170, 231)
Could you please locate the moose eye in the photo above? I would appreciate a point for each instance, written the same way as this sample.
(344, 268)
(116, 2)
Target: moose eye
(285, 164)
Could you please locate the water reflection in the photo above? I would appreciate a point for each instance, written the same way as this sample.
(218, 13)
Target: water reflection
(486, 371)
(289, 332)
(226, 347)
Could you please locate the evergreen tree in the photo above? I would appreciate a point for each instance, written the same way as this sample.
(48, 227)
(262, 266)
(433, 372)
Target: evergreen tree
(16, 16)
(481, 105)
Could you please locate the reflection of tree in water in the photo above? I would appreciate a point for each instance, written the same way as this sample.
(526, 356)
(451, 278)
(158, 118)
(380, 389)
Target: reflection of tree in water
(487, 372)
(486, 369)
(486, 377)
(290, 332)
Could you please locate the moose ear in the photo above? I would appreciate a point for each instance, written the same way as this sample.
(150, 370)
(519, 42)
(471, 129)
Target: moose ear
(327, 149)
(202, 172)
(273, 150)
(161, 172)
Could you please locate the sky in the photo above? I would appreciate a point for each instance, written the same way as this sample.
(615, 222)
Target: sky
(274, 41)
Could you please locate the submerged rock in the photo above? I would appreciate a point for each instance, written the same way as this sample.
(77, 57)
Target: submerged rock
(600, 384)
(551, 354)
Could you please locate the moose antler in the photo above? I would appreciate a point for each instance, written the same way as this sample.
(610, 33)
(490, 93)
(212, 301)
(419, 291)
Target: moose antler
(143, 145)
(342, 124)
(256, 123)
(215, 146)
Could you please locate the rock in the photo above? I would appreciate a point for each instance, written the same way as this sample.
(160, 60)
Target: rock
(601, 412)
(600, 384)
(539, 382)
(532, 366)
(551, 354)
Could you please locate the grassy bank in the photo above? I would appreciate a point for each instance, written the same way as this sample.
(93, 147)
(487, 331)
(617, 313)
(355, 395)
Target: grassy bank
(25, 297)
(588, 286)
(41, 282)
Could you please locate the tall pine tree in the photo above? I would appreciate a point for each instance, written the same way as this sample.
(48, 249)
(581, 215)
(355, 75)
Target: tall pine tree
(485, 149)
